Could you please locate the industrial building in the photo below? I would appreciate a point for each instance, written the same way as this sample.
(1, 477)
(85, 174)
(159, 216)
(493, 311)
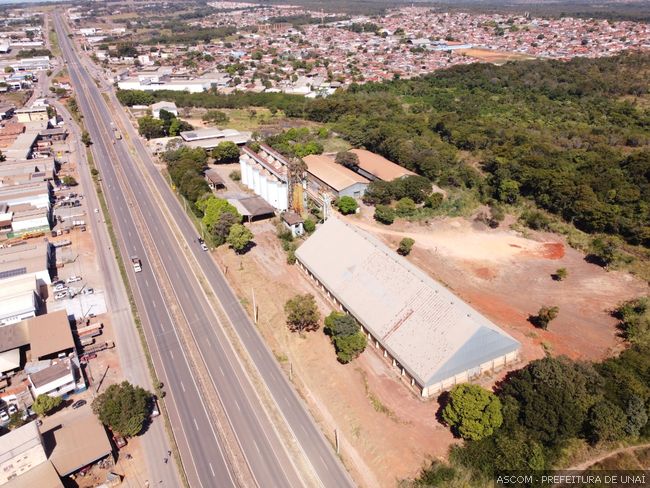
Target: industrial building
(164, 83)
(434, 338)
(19, 299)
(324, 175)
(166, 106)
(376, 167)
(210, 138)
(266, 173)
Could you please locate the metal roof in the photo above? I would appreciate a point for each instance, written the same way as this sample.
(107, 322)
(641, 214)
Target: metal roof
(431, 332)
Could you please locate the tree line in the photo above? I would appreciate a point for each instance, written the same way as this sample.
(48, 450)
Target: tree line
(571, 136)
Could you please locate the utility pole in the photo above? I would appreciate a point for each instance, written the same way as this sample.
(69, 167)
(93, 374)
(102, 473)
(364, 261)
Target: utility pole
(254, 306)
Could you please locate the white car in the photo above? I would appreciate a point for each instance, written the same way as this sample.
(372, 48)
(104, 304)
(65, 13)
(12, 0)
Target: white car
(4, 416)
(12, 409)
(73, 279)
(61, 295)
(87, 291)
(60, 287)
(96, 210)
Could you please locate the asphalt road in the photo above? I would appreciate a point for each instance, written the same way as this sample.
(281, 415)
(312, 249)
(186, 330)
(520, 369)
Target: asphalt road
(205, 463)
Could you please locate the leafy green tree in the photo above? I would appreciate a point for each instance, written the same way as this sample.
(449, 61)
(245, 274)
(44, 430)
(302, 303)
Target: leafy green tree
(215, 117)
(340, 324)
(508, 191)
(552, 398)
(347, 205)
(544, 316)
(309, 226)
(123, 407)
(606, 422)
(405, 246)
(220, 231)
(637, 416)
(151, 128)
(384, 214)
(349, 347)
(44, 404)
(604, 250)
(302, 313)
(135, 97)
(472, 412)
(16, 420)
(434, 200)
(378, 192)
(69, 180)
(218, 217)
(226, 152)
(85, 139)
(347, 159)
(239, 237)
(405, 207)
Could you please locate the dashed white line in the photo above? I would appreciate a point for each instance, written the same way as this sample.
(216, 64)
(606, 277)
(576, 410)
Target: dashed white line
(171, 355)
(212, 470)
(182, 386)
(195, 424)
(222, 373)
(237, 403)
(256, 446)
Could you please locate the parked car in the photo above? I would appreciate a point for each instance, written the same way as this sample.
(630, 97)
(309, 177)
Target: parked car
(78, 403)
(12, 409)
(120, 441)
(4, 416)
(61, 295)
(87, 291)
(73, 279)
(58, 282)
(60, 287)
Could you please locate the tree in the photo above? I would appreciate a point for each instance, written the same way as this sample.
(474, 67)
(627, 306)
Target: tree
(349, 347)
(384, 214)
(346, 335)
(405, 207)
(239, 237)
(606, 422)
(16, 420)
(508, 191)
(347, 205)
(151, 128)
(472, 412)
(347, 159)
(123, 407)
(69, 181)
(215, 117)
(544, 316)
(405, 246)
(603, 251)
(302, 313)
(85, 138)
(44, 404)
(9, 69)
(309, 225)
(2, 157)
(434, 200)
(637, 416)
(560, 274)
(226, 152)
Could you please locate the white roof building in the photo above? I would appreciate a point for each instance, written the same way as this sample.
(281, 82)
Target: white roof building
(19, 299)
(428, 332)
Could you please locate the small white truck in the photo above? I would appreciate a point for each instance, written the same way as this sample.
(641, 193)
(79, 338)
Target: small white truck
(137, 264)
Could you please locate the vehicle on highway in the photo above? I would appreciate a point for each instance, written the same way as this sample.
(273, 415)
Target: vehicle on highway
(137, 264)
(87, 291)
(155, 411)
(73, 279)
(78, 403)
(61, 295)
(96, 210)
(202, 244)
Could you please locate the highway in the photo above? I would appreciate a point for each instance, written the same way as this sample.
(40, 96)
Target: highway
(144, 231)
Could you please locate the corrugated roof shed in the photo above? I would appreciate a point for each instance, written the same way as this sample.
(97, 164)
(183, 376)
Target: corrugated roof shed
(331, 173)
(430, 331)
(379, 166)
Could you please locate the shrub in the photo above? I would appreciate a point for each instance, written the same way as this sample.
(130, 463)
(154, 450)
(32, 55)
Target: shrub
(384, 214)
(405, 207)
(235, 175)
(309, 225)
(347, 205)
(544, 317)
(434, 200)
(560, 274)
(69, 181)
(302, 313)
(405, 246)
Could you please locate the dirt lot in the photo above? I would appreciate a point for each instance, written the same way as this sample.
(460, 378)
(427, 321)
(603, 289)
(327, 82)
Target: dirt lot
(508, 277)
(496, 57)
(387, 432)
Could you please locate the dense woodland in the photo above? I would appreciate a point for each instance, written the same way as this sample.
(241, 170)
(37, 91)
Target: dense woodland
(572, 136)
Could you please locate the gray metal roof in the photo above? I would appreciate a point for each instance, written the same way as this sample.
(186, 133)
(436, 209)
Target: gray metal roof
(430, 331)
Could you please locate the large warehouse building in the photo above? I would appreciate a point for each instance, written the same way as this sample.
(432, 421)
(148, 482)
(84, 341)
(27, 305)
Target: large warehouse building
(431, 335)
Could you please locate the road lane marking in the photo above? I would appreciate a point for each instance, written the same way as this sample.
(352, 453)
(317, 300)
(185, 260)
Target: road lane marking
(183, 387)
(237, 403)
(222, 373)
(146, 282)
(195, 424)
(256, 446)
(171, 355)
(212, 470)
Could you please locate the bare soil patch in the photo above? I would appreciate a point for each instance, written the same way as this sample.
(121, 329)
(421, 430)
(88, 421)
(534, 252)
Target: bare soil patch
(496, 57)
